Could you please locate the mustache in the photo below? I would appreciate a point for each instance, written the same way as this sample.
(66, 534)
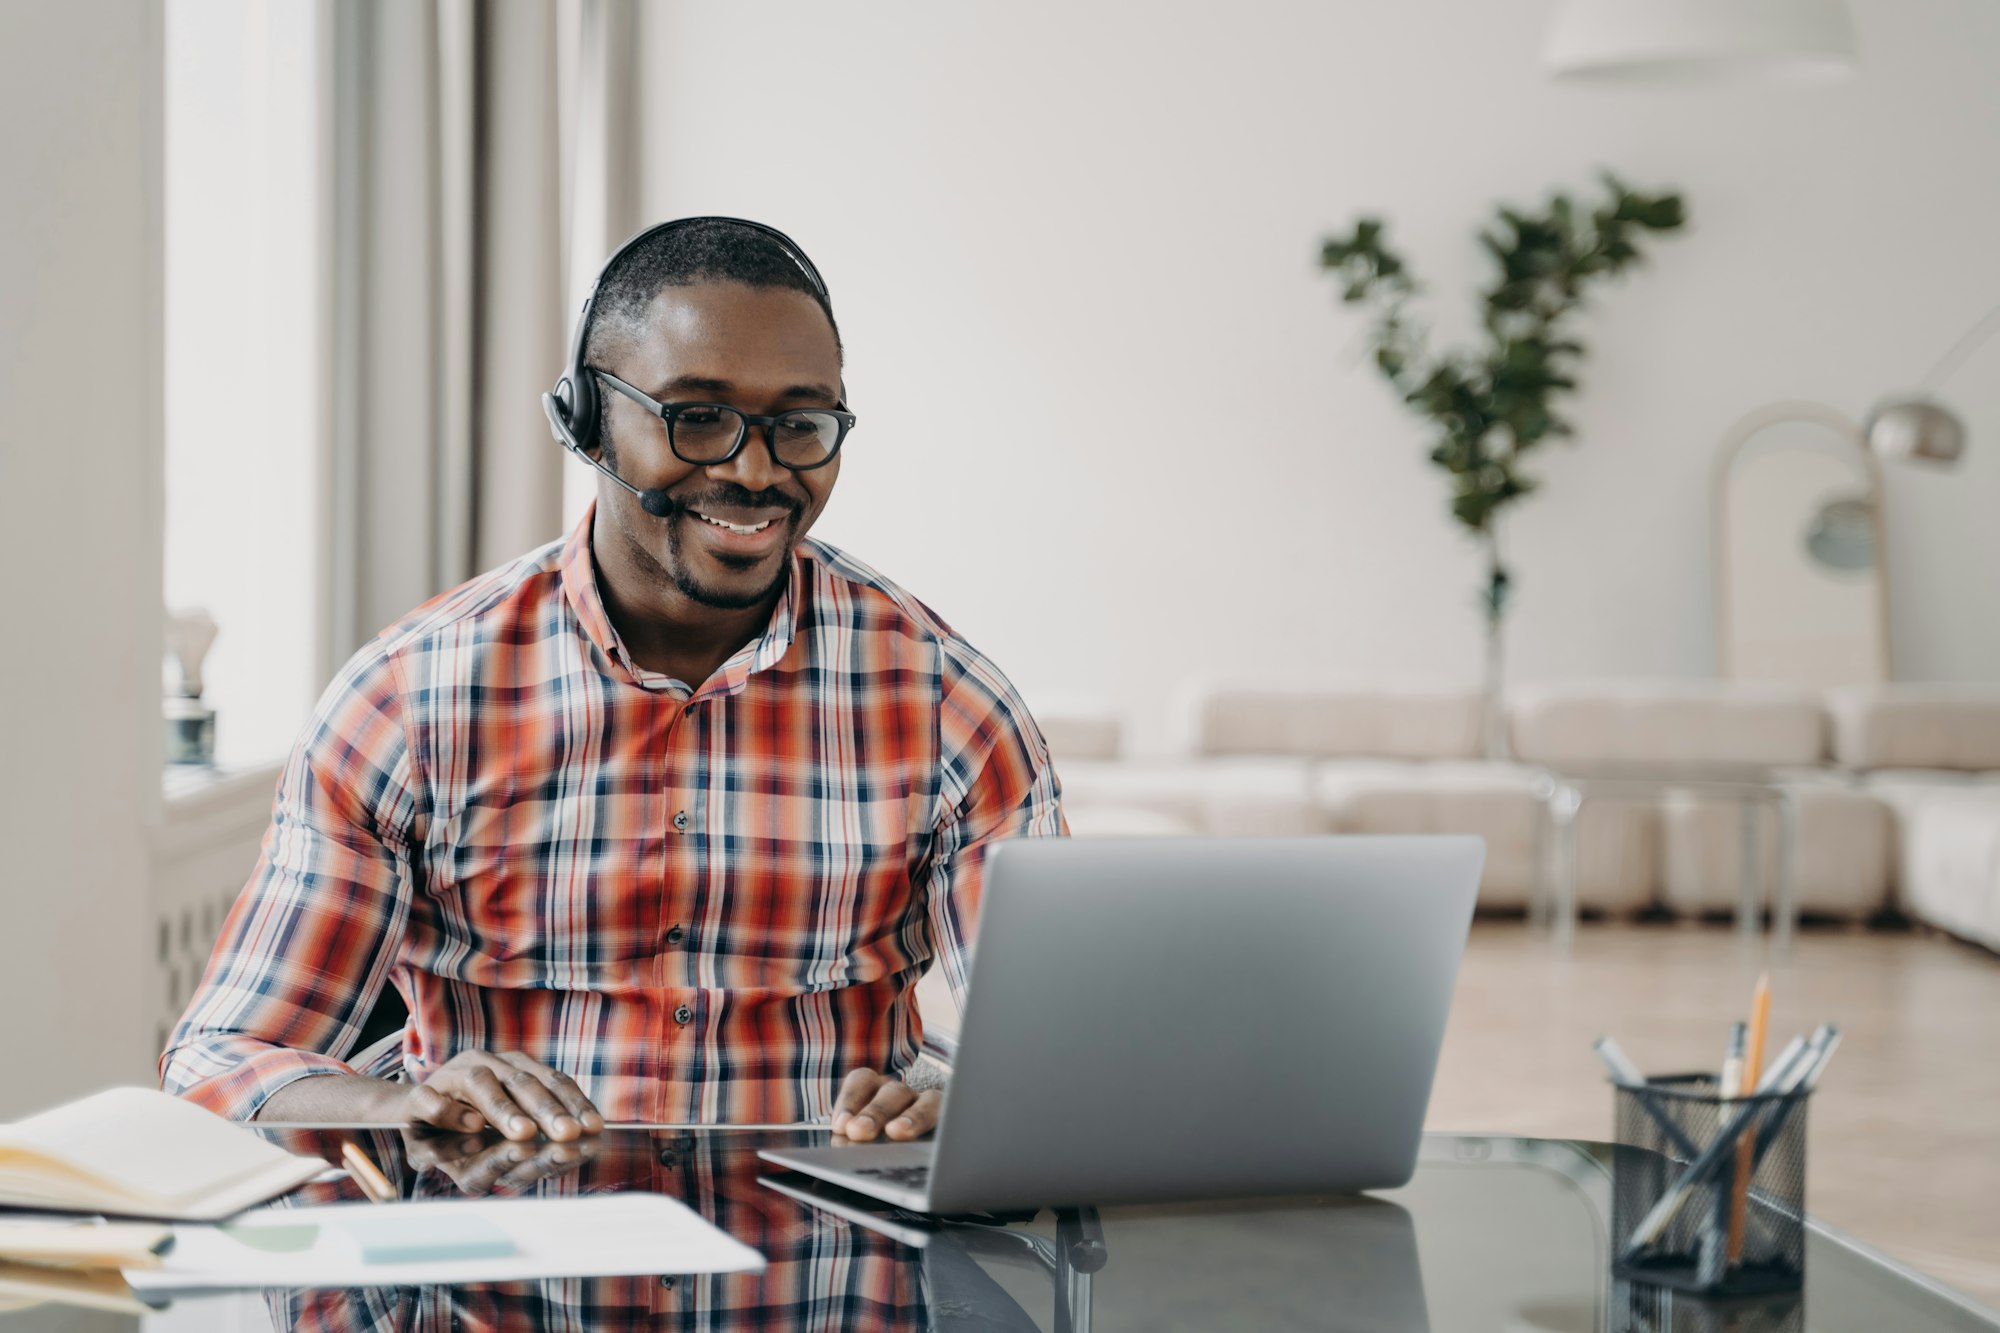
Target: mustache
(728, 493)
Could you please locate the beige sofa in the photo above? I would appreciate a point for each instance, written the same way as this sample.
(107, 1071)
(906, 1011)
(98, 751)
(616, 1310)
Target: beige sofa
(1896, 789)
(1930, 754)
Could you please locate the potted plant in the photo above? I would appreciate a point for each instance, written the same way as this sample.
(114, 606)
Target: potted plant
(1491, 404)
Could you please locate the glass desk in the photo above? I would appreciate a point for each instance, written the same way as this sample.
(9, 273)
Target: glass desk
(1494, 1233)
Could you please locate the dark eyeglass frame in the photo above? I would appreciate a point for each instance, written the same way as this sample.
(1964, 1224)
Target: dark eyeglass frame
(666, 412)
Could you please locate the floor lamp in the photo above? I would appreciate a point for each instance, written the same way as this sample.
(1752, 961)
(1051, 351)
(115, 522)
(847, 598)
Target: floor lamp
(1918, 428)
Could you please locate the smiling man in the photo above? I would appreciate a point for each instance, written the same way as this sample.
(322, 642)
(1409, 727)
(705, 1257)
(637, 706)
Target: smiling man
(661, 822)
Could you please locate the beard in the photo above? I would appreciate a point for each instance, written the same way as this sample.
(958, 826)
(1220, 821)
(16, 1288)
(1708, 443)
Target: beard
(676, 570)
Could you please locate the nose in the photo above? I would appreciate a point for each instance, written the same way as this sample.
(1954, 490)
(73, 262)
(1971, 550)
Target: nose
(755, 466)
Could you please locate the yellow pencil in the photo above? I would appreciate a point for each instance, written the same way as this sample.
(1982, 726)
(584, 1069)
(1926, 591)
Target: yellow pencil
(367, 1175)
(1753, 1069)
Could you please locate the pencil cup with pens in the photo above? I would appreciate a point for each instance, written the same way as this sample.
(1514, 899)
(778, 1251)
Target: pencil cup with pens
(1709, 1176)
(1677, 1225)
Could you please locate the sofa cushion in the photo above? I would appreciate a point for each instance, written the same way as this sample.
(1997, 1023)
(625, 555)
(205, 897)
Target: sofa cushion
(1073, 733)
(1665, 724)
(1124, 821)
(1913, 726)
(1337, 724)
(1844, 850)
(1497, 802)
(1222, 797)
(1949, 859)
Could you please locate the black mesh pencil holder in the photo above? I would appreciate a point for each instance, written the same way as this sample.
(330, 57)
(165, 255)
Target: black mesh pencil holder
(1679, 1217)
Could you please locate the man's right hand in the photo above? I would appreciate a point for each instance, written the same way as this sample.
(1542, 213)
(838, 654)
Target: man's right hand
(518, 1096)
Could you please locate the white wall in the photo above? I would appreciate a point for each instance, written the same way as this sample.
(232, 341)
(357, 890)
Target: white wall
(80, 541)
(1114, 425)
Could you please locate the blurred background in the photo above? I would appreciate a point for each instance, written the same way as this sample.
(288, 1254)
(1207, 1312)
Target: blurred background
(281, 282)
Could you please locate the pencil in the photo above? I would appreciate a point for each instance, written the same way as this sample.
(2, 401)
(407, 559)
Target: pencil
(1753, 1068)
(367, 1175)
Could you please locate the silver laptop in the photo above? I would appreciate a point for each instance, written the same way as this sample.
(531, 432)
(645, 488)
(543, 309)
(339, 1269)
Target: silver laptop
(1153, 1019)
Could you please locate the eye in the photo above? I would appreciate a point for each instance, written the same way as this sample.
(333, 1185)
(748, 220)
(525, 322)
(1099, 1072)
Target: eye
(698, 416)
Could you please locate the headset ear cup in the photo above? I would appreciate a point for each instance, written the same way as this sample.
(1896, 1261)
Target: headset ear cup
(555, 406)
(583, 410)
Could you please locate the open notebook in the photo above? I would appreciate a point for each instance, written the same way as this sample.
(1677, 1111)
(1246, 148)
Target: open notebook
(134, 1152)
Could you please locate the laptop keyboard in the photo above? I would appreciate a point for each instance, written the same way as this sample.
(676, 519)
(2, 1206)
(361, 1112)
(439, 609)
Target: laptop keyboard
(909, 1177)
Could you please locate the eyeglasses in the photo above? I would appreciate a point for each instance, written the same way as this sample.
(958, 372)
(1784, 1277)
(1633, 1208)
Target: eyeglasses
(710, 434)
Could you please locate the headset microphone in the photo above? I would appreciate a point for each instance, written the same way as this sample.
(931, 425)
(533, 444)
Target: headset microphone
(573, 405)
(653, 499)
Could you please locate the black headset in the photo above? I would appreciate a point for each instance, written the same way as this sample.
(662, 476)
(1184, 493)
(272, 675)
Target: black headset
(572, 406)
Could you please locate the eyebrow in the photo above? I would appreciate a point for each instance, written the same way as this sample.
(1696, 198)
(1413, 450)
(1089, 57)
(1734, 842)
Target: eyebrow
(703, 384)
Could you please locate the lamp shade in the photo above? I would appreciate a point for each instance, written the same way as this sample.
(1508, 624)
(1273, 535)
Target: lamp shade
(1916, 429)
(1635, 39)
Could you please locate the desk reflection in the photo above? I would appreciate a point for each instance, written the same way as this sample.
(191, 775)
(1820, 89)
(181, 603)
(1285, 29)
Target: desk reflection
(823, 1272)
(1338, 1262)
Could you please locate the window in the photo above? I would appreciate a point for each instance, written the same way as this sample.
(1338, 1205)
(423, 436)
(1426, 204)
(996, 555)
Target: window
(243, 320)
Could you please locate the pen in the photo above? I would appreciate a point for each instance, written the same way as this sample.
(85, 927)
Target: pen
(1826, 1040)
(1739, 1202)
(1715, 1236)
(1819, 1050)
(1623, 1071)
(367, 1175)
(1732, 1064)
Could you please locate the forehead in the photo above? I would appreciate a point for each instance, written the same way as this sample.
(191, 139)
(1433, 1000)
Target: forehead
(751, 336)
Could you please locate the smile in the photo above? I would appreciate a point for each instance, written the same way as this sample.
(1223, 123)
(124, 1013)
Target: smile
(727, 526)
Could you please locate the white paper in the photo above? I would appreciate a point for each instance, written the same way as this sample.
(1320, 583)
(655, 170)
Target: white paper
(600, 1235)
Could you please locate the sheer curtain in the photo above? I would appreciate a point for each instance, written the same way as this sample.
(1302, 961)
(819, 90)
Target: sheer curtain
(477, 157)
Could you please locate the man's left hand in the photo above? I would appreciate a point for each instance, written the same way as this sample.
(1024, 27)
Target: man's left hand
(872, 1105)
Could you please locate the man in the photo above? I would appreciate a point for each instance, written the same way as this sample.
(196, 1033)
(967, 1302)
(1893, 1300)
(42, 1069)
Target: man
(661, 822)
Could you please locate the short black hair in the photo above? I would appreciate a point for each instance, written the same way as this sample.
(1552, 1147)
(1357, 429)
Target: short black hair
(701, 250)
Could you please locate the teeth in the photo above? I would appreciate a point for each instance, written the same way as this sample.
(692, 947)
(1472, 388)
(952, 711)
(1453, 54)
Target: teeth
(732, 527)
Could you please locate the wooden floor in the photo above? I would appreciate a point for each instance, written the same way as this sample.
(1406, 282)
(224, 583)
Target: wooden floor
(1904, 1140)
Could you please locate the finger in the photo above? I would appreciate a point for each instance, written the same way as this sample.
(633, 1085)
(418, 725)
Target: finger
(442, 1151)
(855, 1090)
(484, 1171)
(568, 1096)
(429, 1105)
(890, 1100)
(552, 1160)
(919, 1119)
(422, 1151)
(481, 1084)
(525, 1083)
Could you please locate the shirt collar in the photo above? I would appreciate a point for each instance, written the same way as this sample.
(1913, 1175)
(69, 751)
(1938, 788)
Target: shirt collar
(578, 569)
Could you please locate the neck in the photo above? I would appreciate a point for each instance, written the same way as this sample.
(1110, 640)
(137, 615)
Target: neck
(662, 628)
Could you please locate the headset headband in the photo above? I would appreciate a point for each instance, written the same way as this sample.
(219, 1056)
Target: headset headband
(572, 406)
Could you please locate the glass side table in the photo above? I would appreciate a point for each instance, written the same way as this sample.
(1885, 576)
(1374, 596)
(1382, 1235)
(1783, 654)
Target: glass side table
(1563, 792)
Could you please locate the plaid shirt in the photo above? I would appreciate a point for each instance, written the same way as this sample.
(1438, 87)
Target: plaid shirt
(703, 907)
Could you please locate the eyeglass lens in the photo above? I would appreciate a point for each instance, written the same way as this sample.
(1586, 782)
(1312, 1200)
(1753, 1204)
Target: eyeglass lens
(707, 434)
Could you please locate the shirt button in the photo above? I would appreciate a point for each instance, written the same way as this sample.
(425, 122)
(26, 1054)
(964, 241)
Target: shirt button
(666, 1284)
(675, 935)
(684, 1015)
(680, 821)
(670, 1159)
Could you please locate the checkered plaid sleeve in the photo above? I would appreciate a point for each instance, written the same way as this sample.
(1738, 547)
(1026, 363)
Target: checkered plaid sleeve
(308, 946)
(997, 783)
